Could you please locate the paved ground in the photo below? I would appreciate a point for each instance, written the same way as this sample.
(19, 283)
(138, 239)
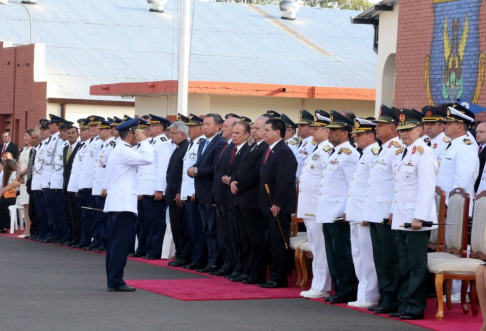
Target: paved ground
(46, 287)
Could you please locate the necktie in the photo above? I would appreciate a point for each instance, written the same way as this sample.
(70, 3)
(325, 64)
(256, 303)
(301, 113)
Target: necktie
(222, 151)
(206, 143)
(315, 149)
(266, 156)
(190, 145)
(31, 163)
(480, 149)
(233, 154)
(69, 151)
(381, 148)
(404, 153)
(3, 149)
(448, 146)
(332, 152)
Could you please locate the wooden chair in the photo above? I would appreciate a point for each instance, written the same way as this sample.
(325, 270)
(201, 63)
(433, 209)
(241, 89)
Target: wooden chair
(464, 269)
(434, 242)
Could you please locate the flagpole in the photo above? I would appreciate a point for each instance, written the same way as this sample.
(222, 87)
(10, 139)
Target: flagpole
(184, 49)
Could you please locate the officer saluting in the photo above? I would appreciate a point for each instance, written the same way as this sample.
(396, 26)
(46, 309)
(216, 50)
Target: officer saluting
(413, 202)
(121, 202)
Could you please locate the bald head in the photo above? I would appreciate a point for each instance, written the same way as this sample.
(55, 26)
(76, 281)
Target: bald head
(481, 133)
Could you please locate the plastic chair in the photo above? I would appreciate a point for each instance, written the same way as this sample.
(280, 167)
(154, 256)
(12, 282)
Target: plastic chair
(13, 216)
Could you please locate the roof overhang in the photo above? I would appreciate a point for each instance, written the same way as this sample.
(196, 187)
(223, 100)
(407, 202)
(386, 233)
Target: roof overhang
(168, 87)
(372, 14)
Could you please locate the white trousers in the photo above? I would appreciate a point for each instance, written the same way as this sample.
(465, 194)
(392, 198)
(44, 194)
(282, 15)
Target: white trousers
(364, 264)
(322, 281)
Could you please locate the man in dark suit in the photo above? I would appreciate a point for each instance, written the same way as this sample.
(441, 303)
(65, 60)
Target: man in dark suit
(221, 193)
(241, 133)
(245, 185)
(71, 206)
(179, 132)
(481, 139)
(278, 172)
(9, 146)
(203, 173)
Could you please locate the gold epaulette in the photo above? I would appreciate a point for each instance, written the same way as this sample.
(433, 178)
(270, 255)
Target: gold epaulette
(345, 150)
(375, 150)
(467, 141)
(293, 141)
(447, 140)
(326, 148)
(420, 150)
(399, 151)
(164, 139)
(112, 143)
(396, 144)
(314, 142)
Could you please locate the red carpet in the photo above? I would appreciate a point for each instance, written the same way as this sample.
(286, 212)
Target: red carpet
(211, 289)
(454, 320)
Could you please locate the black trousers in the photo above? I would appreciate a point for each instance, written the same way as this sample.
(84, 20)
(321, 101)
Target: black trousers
(235, 241)
(208, 217)
(73, 217)
(254, 247)
(385, 255)
(280, 255)
(199, 252)
(339, 258)
(34, 226)
(155, 214)
(4, 214)
(412, 259)
(141, 229)
(180, 234)
(223, 233)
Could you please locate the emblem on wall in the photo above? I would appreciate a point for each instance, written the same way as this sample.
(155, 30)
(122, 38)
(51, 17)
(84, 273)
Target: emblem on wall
(455, 66)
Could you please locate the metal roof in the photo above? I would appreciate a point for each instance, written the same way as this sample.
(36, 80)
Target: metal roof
(90, 42)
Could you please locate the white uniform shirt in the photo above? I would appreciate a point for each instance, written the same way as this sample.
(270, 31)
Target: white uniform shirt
(336, 178)
(100, 176)
(122, 172)
(309, 180)
(86, 173)
(459, 167)
(359, 183)
(304, 150)
(379, 196)
(187, 187)
(48, 159)
(293, 143)
(73, 185)
(439, 144)
(153, 176)
(414, 189)
(37, 171)
(57, 179)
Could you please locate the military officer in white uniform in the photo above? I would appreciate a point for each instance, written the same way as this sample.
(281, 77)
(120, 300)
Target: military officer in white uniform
(60, 228)
(307, 207)
(413, 203)
(121, 201)
(307, 144)
(100, 183)
(379, 197)
(434, 122)
(459, 164)
(291, 138)
(47, 161)
(40, 206)
(333, 192)
(116, 135)
(361, 247)
(193, 216)
(91, 148)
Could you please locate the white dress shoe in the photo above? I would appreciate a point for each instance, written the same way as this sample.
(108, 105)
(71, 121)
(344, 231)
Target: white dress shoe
(353, 303)
(314, 294)
(22, 236)
(364, 304)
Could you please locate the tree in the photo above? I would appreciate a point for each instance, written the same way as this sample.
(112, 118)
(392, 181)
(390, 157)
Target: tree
(335, 4)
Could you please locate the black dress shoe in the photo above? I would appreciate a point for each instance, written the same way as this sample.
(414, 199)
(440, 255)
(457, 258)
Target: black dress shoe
(32, 237)
(328, 299)
(171, 263)
(396, 314)
(150, 257)
(340, 299)
(64, 243)
(207, 269)
(272, 284)
(192, 266)
(253, 281)
(239, 278)
(3, 230)
(124, 288)
(410, 317)
(382, 310)
(179, 263)
(233, 275)
(138, 254)
(49, 240)
(77, 246)
(221, 272)
(372, 308)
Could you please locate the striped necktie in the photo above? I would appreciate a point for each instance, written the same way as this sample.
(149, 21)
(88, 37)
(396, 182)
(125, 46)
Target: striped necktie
(30, 166)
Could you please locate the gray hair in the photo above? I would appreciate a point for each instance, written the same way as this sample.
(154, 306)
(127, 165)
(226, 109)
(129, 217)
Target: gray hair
(181, 127)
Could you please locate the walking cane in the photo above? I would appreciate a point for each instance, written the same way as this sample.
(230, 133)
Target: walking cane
(278, 221)
(425, 224)
(95, 209)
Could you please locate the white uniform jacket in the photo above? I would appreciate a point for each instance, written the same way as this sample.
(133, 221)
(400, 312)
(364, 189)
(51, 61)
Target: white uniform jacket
(57, 177)
(100, 175)
(153, 176)
(48, 159)
(310, 178)
(86, 173)
(37, 171)
(379, 196)
(303, 151)
(359, 183)
(439, 144)
(187, 186)
(73, 185)
(336, 178)
(414, 189)
(122, 172)
(459, 167)
(293, 143)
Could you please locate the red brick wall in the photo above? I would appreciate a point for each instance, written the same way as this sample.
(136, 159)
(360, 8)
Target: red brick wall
(415, 34)
(21, 99)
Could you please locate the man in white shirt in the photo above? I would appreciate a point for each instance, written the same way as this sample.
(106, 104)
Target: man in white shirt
(434, 122)
(307, 144)
(290, 138)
